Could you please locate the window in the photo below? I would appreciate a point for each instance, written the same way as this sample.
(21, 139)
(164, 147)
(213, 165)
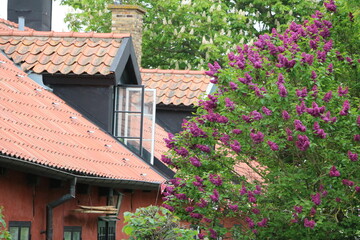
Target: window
(72, 233)
(106, 230)
(134, 119)
(19, 230)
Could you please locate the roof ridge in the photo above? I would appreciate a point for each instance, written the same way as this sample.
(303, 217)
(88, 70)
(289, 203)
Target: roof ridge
(34, 33)
(172, 71)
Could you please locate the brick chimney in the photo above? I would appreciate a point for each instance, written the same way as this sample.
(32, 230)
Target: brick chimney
(128, 19)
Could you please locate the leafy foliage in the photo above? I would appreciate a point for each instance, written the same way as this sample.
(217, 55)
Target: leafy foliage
(273, 153)
(187, 34)
(155, 223)
(4, 234)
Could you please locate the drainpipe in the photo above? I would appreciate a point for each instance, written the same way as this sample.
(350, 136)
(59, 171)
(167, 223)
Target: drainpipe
(50, 206)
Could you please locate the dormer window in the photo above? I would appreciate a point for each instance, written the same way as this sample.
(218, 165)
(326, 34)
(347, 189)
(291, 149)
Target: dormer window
(134, 119)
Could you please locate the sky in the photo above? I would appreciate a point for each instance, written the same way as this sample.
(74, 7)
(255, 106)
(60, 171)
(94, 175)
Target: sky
(58, 15)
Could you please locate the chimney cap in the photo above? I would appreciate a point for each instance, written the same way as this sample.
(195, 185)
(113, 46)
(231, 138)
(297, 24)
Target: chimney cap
(126, 7)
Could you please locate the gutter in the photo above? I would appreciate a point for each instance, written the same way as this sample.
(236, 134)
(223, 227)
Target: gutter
(50, 206)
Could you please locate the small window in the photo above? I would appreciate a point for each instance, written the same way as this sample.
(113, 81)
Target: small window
(19, 230)
(106, 230)
(72, 233)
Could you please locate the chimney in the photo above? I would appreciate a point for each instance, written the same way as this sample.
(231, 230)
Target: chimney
(128, 19)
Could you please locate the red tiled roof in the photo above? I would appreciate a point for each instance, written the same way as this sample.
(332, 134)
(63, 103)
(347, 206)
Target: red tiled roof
(61, 52)
(37, 126)
(8, 25)
(176, 86)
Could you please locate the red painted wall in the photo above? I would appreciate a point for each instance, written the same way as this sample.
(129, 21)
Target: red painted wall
(24, 202)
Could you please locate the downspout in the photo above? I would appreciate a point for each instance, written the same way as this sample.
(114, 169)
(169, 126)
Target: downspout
(50, 206)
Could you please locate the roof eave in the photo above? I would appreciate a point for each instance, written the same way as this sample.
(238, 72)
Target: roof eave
(46, 171)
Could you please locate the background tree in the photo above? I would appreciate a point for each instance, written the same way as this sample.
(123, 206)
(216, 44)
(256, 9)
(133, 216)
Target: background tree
(188, 34)
(4, 234)
(287, 107)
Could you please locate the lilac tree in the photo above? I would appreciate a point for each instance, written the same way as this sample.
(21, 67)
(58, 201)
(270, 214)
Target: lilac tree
(273, 153)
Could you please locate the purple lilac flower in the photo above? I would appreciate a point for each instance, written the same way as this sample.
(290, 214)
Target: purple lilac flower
(301, 109)
(285, 115)
(250, 222)
(213, 69)
(316, 111)
(324, 193)
(195, 161)
(353, 156)
(327, 96)
(328, 46)
(347, 182)
(299, 126)
(307, 58)
(327, 118)
(315, 91)
(302, 143)
(257, 137)
(236, 146)
(334, 172)
(343, 91)
(243, 190)
(316, 199)
(213, 233)
(203, 203)
(203, 148)
(215, 196)
(233, 86)
(170, 142)
(280, 79)
(266, 111)
(357, 137)
(309, 223)
(236, 131)
(313, 75)
(229, 104)
(338, 199)
(321, 55)
(207, 220)
(170, 208)
(256, 115)
(301, 93)
(263, 222)
(246, 80)
(357, 188)
(313, 44)
(312, 211)
(180, 196)
(273, 146)
(318, 131)
(182, 152)
(196, 215)
(225, 139)
(166, 160)
(330, 5)
(246, 118)
(358, 121)
(189, 209)
(201, 236)
(234, 207)
(282, 90)
(289, 134)
(215, 179)
(298, 209)
(346, 107)
(330, 68)
(255, 210)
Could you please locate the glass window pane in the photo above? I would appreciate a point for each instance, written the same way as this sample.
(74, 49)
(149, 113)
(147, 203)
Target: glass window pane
(76, 236)
(25, 233)
(67, 235)
(14, 232)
